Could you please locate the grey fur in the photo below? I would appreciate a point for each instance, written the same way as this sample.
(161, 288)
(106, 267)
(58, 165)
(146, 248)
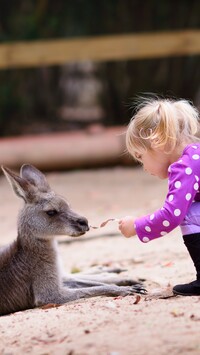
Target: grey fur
(29, 267)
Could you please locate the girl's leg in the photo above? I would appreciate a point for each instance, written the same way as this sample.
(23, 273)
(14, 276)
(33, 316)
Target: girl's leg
(192, 243)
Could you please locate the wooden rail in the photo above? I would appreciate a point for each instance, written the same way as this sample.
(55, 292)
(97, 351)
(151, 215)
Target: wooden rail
(104, 48)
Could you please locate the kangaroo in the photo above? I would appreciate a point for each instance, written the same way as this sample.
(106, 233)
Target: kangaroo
(29, 267)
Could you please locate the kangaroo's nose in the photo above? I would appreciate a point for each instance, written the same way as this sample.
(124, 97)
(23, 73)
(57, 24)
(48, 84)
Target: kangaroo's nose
(83, 223)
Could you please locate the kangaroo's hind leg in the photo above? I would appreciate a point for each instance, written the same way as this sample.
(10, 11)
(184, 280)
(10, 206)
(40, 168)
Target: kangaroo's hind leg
(101, 290)
(87, 281)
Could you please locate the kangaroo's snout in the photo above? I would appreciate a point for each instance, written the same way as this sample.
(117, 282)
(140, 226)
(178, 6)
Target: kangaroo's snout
(82, 224)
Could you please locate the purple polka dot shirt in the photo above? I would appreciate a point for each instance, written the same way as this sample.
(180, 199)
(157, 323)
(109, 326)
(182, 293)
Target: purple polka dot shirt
(182, 203)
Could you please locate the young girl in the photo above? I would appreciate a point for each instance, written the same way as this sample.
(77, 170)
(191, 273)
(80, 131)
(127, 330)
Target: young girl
(164, 136)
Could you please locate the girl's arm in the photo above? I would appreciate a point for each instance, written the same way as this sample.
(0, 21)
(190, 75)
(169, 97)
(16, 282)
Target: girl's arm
(183, 186)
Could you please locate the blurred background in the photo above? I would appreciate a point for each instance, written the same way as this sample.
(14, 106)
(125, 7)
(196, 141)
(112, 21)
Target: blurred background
(90, 89)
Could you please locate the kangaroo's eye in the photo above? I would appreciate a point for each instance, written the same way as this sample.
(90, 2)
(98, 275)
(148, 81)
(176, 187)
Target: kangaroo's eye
(51, 213)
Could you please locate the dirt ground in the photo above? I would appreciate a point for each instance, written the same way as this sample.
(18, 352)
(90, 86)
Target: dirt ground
(157, 324)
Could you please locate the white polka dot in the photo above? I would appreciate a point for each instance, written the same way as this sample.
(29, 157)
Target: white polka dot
(145, 239)
(180, 161)
(188, 171)
(177, 184)
(152, 216)
(169, 169)
(147, 228)
(195, 156)
(166, 223)
(188, 196)
(177, 212)
(197, 178)
(163, 233)
(196, 186)
(170, 198)
(194, 146)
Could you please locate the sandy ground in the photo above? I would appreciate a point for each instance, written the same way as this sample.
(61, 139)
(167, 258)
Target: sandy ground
(157, 324)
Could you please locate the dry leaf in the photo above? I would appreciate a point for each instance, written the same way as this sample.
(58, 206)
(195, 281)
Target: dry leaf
(137, 299)
(50, 305)
(177, 313)
(87, 331)
(118, 298)
(103, 224)
(194, 317)
(169, 264)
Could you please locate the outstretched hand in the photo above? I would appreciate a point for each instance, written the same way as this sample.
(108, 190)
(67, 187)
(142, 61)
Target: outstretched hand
(126, 226)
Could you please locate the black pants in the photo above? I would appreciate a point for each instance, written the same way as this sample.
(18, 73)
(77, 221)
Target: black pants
(192, 243)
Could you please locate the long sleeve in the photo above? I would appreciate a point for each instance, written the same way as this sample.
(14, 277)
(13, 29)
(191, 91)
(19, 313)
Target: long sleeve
(183, 186)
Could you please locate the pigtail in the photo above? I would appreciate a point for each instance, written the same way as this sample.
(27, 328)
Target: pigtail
(189, 121)
(166, 126)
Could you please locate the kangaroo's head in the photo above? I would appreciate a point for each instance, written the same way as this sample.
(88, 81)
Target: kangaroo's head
(44, 214)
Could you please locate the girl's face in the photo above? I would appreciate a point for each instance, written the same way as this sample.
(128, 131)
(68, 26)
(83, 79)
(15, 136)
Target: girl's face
(155, 162)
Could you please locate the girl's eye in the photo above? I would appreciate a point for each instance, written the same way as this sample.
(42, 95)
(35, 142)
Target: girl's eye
(51, 213)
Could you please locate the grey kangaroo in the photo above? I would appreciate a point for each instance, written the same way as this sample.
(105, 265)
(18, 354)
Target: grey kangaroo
(29, 267)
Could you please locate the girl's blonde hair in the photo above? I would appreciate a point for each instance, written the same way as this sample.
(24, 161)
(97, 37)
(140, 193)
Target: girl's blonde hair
(162, 123)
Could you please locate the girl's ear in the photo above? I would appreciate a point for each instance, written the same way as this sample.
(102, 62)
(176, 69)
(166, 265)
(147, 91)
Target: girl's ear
(20, 186)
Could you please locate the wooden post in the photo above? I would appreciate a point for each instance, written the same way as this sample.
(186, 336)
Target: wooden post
(102, 48)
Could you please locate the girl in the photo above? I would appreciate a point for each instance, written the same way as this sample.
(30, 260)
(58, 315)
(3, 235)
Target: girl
(164, 136)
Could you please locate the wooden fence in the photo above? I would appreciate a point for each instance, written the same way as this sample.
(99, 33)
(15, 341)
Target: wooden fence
(101, 48)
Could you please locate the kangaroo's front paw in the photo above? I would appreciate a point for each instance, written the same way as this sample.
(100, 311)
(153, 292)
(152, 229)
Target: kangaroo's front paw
(130, 290)
(139, 289)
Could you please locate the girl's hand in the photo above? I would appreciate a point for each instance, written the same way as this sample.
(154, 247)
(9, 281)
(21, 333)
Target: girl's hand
(126, 226)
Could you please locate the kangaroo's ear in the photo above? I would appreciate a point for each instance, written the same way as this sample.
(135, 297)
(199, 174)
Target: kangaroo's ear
(21, 187)
(35, 177)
